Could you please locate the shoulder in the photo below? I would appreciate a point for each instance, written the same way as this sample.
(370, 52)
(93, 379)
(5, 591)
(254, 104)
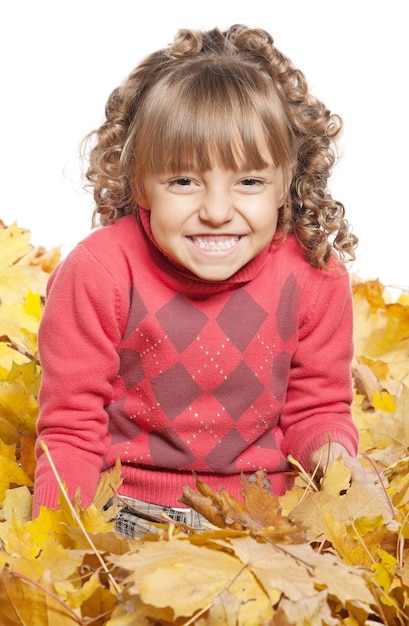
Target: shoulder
(98, 272)
(290, 255)
(123, 234)
(105, 257)
(318, 291)
(109, 249)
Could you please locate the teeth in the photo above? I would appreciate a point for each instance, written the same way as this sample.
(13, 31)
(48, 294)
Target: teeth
(211, 244)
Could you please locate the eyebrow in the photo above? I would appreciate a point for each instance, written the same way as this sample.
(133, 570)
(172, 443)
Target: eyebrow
(270, 167)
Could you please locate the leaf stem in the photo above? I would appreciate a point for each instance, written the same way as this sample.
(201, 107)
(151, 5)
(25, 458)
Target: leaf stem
(30, 581)
(382, 484)
(77, 518)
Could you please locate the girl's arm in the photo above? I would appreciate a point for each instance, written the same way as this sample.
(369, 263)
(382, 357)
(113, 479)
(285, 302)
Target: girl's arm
(78, 336)
(317, 409)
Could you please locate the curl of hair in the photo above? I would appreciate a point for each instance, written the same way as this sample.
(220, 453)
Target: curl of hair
(316, 219)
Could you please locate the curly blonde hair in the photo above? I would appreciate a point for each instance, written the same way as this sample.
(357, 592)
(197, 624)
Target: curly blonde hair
(198, 99)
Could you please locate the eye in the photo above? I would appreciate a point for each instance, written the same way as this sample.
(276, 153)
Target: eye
(251, 182)
(181, 181)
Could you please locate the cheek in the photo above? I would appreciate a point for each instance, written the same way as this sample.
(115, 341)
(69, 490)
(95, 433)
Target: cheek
(268, 221)
(162, 226)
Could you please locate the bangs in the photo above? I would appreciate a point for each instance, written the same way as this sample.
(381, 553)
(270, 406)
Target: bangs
(205, 115)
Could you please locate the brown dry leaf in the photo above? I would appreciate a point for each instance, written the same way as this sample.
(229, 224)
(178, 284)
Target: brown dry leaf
(259, 508)
(108, 485)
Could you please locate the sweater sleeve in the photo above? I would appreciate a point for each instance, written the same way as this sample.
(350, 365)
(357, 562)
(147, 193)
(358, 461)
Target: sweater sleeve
(78, 338)
(319, 396)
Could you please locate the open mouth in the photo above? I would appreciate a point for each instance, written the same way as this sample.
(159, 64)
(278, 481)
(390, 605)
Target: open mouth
(216, 243)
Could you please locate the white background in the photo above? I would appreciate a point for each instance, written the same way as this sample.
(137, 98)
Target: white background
(60, 59)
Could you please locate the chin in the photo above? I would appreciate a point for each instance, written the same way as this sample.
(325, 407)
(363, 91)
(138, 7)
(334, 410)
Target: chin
(214, 276)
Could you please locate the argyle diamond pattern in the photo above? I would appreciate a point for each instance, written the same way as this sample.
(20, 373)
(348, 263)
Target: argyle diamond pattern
(204, 373)
(240, 318)
(238, 391)
(234, 443)
(123, 428)
(280, 368)
(175, 389)
(181, 321)
(131, 368)
(168, 449)
(287, 310)
(137, 312)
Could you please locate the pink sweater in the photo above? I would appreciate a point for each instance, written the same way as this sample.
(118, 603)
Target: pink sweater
(172, 374)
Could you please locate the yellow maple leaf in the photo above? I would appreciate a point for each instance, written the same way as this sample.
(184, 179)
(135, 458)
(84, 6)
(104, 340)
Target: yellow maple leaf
(188, 577)
(381, 329)
(14, 245)
(384, 401)
(43, 607)
(28, 538)
(19, 398)
(360, 501)
(17, 503)
(33, 305)
(10, 473)
(337, 478)
(313, 610)
(75, 594)
(385, 570)
(223, 612)
(24, 272)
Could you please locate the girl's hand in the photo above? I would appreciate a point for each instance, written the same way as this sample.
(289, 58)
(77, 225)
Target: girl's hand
(331, 451)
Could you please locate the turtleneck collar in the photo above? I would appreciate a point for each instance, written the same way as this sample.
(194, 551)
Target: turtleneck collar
(177, 276)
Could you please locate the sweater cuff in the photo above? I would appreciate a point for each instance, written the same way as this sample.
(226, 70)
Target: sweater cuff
(303, 453)
(47, 496)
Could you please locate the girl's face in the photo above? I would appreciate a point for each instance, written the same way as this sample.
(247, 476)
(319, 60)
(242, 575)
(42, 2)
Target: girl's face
(213, 222)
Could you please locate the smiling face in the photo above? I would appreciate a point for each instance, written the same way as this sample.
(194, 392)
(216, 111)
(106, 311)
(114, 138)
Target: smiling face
(213, 222)
(210, 155)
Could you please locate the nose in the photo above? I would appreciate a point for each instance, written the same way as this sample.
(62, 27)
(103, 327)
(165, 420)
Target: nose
(216, 208)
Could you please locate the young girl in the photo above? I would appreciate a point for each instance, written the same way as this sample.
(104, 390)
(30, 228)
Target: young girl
(207, 326)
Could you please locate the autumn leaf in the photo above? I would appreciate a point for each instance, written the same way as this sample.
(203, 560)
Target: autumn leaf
(285, 568)
(359, 501)
(19, 401)
(323, 553)
(258, 509)
(189, 577)
(44, 607)
(10, 471)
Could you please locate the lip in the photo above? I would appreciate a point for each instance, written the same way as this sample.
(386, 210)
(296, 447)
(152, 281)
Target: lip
(215, 245)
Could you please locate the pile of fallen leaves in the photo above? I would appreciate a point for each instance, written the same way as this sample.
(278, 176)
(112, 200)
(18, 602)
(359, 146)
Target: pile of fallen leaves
(324, 553)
